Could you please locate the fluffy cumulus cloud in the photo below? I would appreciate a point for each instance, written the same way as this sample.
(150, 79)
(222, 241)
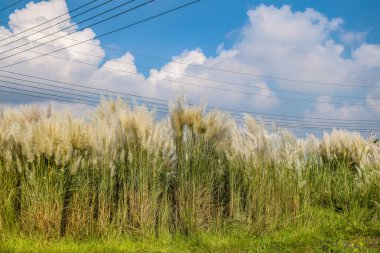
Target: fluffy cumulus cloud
(275, 42)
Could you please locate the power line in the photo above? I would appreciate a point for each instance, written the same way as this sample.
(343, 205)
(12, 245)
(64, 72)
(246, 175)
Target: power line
(237, 117)
(84, 86)
(162, 111)
(43, 93)
(74, 25)
(266, 115)
(159, 111)
(306, 82)
(10, 5)
(62, 98)
(279, 121)
(206, 86)
(50, 90)
(108, 33)
(314, 127)
(229, 90)
(291, 116)
(70, 89)
(311, 125)
(56, 97)
(245, 85)
(205, 78)
(230, 71)
(306, 121)
(50, 94)
(209, 79)
(62, 15)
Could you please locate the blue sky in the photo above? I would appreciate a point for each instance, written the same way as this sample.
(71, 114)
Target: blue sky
(211, 22)
(319, 41)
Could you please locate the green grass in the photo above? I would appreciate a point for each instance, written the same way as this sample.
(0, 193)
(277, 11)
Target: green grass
(124, 182)
(321, 231)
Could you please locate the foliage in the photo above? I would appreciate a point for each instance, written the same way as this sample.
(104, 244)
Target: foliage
(120, 172)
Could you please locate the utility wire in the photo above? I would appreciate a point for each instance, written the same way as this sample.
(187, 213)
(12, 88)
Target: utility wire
(210, 79)
(10, 5)
(84, 98)
(108, 33)
(55, 97)
(98, 95)
(92, 102)
(308, 122)
(206, 86)
(162, 111)
(47, 21)
(303, 124)
(310, 127)
(88, 98)
(234, 91)
(303, 82)
(165, 111)
(84, 86)
(65, 98)
(74, 25)
(261, 114)
(240, 118)
(229, 71)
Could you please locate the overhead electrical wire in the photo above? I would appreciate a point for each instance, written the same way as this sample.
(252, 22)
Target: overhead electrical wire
(303, 82)
(84, 86)
(59, 98)
(74, 25)
(211, 87)
(269, 95)
(229, 71)
(276, 116)
(201, 66)
(10, 5)
(31, 28)
(164, 110)
(235, 91)
(83, 100)
(277, 120)
(99, 95)
(240, 118)
(110, 32)
(311, 125)
(282, 124)
(59, 50)
(210, 79)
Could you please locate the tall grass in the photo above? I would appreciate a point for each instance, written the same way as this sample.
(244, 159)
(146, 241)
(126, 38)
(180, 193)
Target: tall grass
(119, 171)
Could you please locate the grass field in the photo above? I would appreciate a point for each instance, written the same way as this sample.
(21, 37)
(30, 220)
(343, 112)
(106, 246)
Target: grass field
(118, 179)
(325, 231)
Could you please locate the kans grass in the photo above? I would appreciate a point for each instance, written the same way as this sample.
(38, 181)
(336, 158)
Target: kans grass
(118, 179)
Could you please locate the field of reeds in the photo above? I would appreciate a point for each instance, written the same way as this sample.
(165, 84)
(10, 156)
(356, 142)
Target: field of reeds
(119, 171)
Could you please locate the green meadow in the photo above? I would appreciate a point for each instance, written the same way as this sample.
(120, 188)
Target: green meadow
(120, 180)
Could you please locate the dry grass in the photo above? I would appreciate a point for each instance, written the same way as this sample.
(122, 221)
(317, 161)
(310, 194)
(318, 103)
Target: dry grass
(120, 171)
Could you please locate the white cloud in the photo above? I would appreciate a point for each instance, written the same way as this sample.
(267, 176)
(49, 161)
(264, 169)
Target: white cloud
(353, 38)
(36, 13)
(328, 109)
(368, 55)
